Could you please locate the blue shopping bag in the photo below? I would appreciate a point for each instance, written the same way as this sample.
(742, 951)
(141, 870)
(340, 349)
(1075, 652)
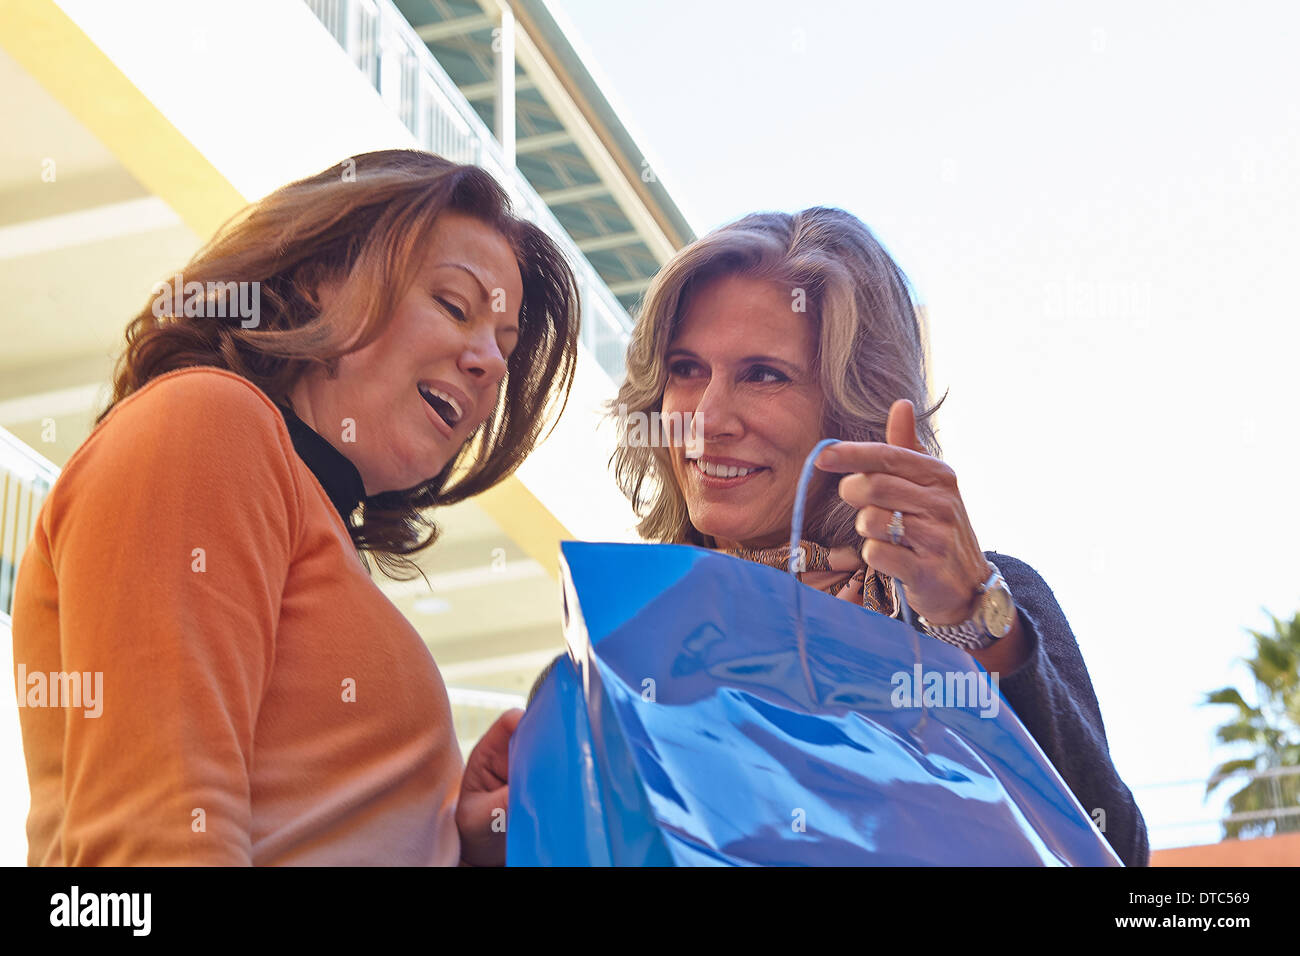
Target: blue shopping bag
(710, 710)
(714, 711)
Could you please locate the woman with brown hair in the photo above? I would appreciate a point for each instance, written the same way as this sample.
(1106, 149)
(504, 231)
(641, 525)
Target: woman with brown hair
(399, 342)
(775, 332)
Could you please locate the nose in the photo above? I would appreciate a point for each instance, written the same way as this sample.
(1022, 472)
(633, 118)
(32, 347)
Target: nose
(718, 415)
(481, 358)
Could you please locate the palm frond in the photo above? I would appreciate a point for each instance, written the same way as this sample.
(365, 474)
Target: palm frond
(1271, 729)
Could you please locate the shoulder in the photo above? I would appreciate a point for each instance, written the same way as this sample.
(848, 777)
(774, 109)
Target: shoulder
(198, 391)
(199, 408)
(198, 421)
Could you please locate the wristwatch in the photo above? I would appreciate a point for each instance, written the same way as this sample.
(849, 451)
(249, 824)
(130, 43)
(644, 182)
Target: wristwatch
(994, 615)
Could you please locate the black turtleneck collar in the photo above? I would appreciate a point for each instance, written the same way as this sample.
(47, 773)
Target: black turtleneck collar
(338, 476)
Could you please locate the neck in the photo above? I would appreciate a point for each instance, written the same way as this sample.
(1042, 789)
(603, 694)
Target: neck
(751, 544)
(300, 402)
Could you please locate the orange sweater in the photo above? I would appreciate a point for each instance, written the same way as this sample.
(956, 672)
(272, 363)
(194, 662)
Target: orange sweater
(262, 701)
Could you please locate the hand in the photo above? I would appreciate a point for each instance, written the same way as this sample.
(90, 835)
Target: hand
(484, 790)
(939, 561)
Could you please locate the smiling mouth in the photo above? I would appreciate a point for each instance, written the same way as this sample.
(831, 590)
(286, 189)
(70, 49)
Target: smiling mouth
(723, 472)
(447, 407)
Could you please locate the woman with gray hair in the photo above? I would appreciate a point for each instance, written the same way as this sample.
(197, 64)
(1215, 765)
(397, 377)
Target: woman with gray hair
(776, 331)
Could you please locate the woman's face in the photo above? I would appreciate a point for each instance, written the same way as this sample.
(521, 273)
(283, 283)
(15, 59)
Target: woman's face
(418, 391)
(743, 363)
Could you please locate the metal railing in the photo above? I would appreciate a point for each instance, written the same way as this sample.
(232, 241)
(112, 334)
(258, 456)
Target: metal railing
(393, 58)
(25, 480)
(1276, 813)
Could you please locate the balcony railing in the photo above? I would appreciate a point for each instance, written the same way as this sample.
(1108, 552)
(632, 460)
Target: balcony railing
(393, 58)
(1281, 814)
(25, 480)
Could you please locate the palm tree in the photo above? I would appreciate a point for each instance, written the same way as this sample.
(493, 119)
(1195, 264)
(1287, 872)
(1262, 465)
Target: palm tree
(1272, 729)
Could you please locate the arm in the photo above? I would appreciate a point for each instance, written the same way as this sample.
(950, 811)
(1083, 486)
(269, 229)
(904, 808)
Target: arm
(1052, 695)
(938, 560)
(184, 638)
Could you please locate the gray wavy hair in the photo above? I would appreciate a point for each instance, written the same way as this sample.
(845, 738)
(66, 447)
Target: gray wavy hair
(870, 351)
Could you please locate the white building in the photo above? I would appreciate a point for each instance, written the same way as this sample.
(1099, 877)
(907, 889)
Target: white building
(132, 129)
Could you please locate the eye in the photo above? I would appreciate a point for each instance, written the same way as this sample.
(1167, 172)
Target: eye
(766, 375)
(451, 310)
(682, 368)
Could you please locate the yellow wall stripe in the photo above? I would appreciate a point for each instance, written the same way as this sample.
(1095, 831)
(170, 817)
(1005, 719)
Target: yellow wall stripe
(528, 522)
(59, 55)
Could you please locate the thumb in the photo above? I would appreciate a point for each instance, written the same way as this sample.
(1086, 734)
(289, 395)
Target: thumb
(489, 761)
(901, 427)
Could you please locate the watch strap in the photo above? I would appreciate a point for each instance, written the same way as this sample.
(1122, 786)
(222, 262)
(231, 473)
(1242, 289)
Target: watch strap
(971, 634)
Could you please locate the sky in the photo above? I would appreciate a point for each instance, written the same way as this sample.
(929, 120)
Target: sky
(1098, 203)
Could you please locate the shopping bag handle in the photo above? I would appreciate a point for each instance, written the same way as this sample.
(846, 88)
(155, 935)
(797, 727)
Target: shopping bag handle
(796, 520)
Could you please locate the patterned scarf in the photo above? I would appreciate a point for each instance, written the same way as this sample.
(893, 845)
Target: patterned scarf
(877, 588)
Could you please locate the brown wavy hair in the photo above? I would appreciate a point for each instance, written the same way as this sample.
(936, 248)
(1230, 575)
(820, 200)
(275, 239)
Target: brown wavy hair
(365, 222)
(870, 353)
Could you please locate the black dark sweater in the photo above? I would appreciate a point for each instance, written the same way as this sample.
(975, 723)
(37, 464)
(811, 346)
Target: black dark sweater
(1053, 697)
(335, 472)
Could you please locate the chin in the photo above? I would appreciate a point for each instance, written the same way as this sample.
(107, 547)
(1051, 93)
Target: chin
(412, 475)
(717, 526)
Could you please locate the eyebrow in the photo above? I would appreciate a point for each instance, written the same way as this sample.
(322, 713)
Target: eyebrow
(771, 359)
(482, 288)
(473, 274)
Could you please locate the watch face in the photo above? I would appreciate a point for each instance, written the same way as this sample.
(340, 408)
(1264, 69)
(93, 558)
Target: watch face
(999, 612)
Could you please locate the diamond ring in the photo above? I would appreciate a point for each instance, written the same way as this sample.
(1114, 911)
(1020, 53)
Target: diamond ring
(896, 528)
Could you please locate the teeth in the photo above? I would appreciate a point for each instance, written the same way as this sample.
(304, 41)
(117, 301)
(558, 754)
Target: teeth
(438, 393)
(722, 471)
